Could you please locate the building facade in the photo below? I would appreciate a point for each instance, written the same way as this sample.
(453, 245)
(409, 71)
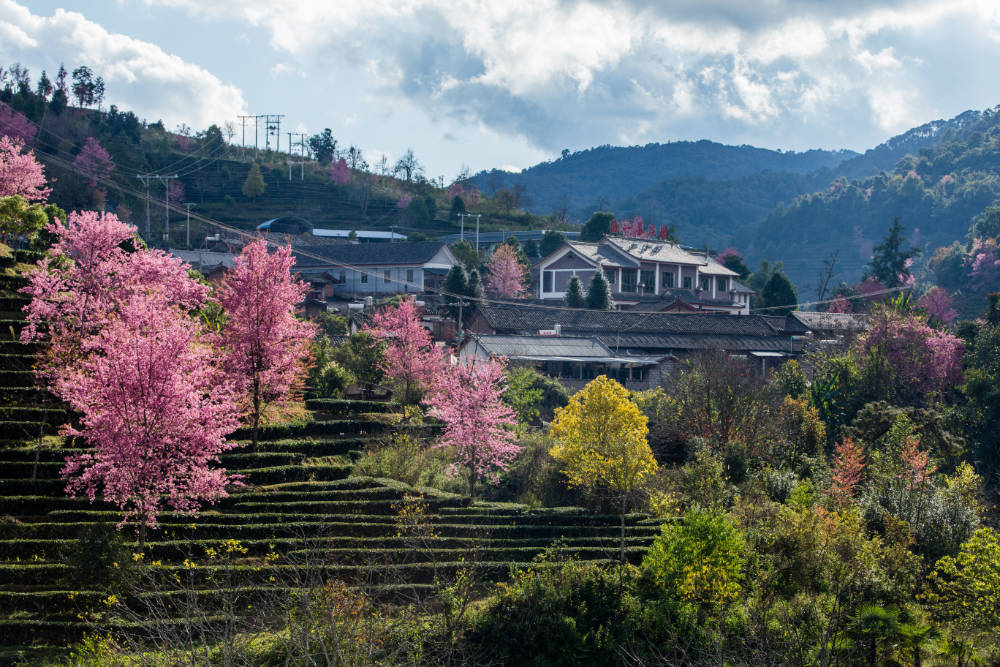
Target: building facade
(653, 275)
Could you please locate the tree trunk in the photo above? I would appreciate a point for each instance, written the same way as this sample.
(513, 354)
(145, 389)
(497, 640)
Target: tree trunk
(623, 530)
(256, 410)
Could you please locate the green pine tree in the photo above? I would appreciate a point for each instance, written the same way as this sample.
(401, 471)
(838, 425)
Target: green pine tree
(599, 293)
(475, 288)
(888, 264)
(574, 294)
(455, 283)
(254, 186)
(779, 295)
(598, 225)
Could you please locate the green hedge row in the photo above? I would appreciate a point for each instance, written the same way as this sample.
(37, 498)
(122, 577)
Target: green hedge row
(316, 525)
(16, 378)
(11, 429)
(315, 447)
(24, 469)
(296, 473)
(332, 427)
(26, 256)
(26, 487)
(347, 406)
(26, 453)
(33, 413)
(13, 304)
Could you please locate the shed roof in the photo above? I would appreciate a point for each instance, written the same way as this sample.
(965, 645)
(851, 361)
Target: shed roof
(374, 254)
(519, 319)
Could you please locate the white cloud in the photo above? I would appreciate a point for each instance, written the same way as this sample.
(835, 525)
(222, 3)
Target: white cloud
(587, 72)
(139, 75)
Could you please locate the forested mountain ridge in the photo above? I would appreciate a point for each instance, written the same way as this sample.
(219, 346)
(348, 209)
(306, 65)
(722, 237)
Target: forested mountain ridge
(594, 178)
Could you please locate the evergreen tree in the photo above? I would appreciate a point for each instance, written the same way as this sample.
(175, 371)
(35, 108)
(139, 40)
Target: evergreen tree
(457, 207)
(475, 289)
(455, 283)
(254, 186)
(599, 293)
(574, 294)
(551, 241)
(531, 249)
(779, 295)
(890, 262)
(598, 225)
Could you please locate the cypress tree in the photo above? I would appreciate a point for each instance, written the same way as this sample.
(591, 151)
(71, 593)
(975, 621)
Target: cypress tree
(254, 186)
(475, 287)
(574, 294)
(599, 293)
(779, 292)
(456, 282)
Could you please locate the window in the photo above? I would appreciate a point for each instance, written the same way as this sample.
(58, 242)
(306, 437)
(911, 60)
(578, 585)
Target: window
(705, 284)
(667, 279)
(687, 282)
(409, 275)
(612, 276)
(629, 279)
(720, 284)
(343, 277)
(364, 276)
(385, 275)
(647, 279)
(546, 281)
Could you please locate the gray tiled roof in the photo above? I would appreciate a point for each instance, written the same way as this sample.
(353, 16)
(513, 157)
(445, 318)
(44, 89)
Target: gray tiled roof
(374, 254)
(621, 342)
(518, 319)
(840, 322)
(516, 346)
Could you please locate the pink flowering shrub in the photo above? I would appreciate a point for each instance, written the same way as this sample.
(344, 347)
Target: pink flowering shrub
(922, 359)
(477, 423)
(340, 173)
(16, 125)
(937, 303)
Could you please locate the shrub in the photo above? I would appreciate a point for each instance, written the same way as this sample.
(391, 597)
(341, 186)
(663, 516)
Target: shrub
(567, 614)
(100, 558)
(696, 563)
(333, 381)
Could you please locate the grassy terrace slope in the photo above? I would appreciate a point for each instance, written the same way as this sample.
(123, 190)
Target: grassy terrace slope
(300, 513)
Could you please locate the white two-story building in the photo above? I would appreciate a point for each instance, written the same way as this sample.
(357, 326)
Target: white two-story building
(645, 274)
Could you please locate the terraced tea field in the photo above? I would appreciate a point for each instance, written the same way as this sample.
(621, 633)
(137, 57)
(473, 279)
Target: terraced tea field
(300, 515)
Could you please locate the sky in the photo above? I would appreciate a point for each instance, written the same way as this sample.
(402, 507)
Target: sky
(480, 84)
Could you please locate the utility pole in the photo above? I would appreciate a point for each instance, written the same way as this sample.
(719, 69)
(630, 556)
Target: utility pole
(187, 236)
(462, 217)
(302, 154)
(243, 122)
(145, 178)
(272, 123)
(166, 205)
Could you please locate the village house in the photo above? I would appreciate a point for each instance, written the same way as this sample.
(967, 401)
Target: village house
(376, 269)
(645, 275)
(573, 361)
(667, 338)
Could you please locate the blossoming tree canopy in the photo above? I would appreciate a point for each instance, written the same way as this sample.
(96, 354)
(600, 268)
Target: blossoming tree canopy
(467, 398)
(410, 359)
(265, 344)
(95, 265)
(20, 173)
(94, 162)
(154, 411)
(506, 275)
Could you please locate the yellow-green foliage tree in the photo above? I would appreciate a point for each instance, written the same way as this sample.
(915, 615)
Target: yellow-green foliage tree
(602, 444)
(963, 592)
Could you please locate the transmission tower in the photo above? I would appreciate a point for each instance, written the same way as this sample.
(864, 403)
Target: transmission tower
(272, 125)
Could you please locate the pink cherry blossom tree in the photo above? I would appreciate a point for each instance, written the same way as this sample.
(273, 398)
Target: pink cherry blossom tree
(154, 410)
(403, 201)
(264, 345)
(506, 278)
(477, 423)
(839, 305)
(20, 173)
(985, 265)
(340, 173)
(410, 360)
(93, 162)
(125, 352)
(938, 304)
(923, 360)
(16, 125)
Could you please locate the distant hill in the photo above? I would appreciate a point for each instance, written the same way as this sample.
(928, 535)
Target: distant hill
(585, 180)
